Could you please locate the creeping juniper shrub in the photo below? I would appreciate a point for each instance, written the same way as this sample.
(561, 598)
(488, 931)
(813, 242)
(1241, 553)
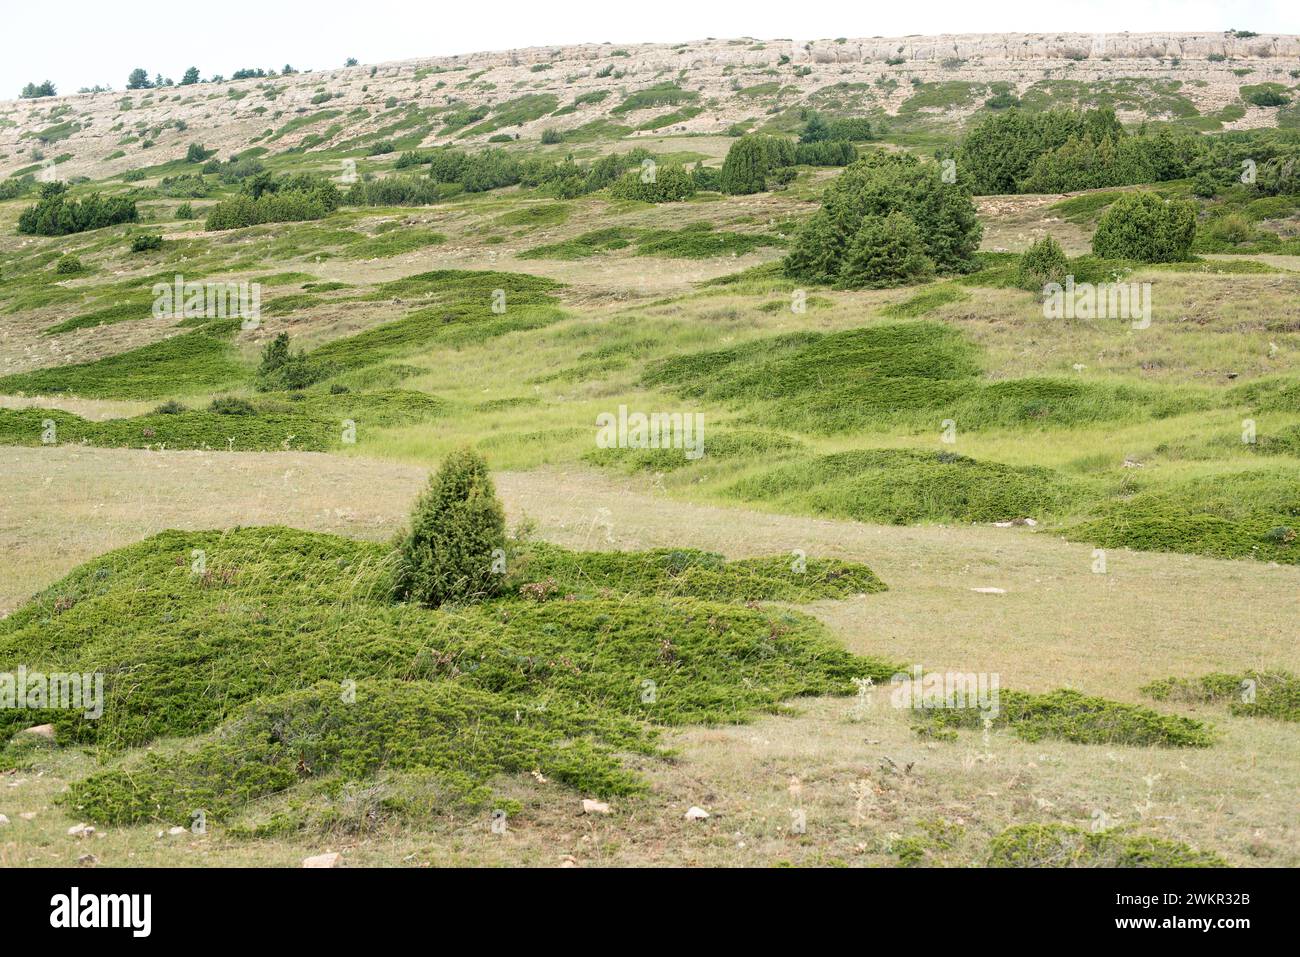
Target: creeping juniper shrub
(1063, 845)
(1042, 263)
(885, 252)
(146, 242)
(456, 541)
(827, 249)
(1071, 716)
(275, 616)
(230, 405)
(1271, 694)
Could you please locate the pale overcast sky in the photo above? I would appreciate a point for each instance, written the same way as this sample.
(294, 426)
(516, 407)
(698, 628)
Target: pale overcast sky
(77, 43)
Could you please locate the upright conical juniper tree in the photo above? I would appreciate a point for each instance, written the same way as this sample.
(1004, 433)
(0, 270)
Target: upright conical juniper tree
(457, 526)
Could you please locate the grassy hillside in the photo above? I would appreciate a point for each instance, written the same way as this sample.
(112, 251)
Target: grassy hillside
(931, 472)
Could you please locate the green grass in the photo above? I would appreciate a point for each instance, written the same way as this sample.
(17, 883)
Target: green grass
(202, 360)
(584, 246)
(541, 214)
(456, 310)
(909, 375)
(119, 312)
(661, 94)
(728, 445)
(394, 243)
(1085, 210)
(700, 241)
(925, 301)
(302, 422)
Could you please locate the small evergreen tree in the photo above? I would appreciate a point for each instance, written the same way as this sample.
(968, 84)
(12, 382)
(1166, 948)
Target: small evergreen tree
(744, 170)
(190, 77)
(1043, 262)
(815, 130)
(138, 80)
(457, 525)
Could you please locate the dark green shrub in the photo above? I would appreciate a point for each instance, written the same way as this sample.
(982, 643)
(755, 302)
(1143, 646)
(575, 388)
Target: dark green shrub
(1042, 263)
(15, 187)
(231, 405)
(171, 407)
(1144, 227)
(745, 169)
(825, 153)
(885, 252)
(56, 215)
(1266, 96)
(876, 186)
(456, 538)
(815, 130)
(33, 91)
(283, 370)
(381, 147)
(551, 135)
(1063, 845)
(707, 177)
(850, 129)
(146, 242)
(185, 211)
(68, 265)
(197, 154)
(670, 184)
(265, 199)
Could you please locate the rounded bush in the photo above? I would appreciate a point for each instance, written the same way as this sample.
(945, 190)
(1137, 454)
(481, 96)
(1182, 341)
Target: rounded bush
(1042, 263)
(1144, 227)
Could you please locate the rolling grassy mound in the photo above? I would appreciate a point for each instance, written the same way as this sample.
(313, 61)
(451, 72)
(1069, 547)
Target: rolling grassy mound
(900, 486)
(229, 634)
(303, 422)
(1248, 514)
(203, 359)
(907, 374)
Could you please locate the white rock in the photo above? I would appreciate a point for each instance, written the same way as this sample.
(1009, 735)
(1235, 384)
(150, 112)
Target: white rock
(322, 860)
(696, 814)
(28, 815)
(3, 819)
(990, 591)
(594, 807)
(41, 731)
(81, 830)
(174, 831)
